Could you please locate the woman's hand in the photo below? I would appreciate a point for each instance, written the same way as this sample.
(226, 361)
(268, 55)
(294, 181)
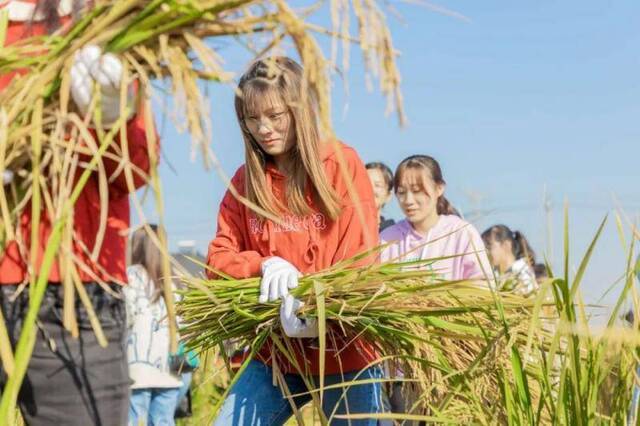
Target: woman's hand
(91, 66)
(294, 326)
(278, 276)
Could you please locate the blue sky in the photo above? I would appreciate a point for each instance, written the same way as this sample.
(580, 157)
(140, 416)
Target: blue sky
(520, 97)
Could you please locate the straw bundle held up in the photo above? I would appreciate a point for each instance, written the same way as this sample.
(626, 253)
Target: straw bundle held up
(447, 337)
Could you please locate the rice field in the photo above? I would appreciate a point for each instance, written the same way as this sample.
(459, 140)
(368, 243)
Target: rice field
(477, 356)
(501, 359)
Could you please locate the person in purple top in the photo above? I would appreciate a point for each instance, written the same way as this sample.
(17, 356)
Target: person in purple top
(432, 228)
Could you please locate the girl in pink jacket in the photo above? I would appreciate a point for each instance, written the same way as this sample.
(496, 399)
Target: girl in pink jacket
(432, 228)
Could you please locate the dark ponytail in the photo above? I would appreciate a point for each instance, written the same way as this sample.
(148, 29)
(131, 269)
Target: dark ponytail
(445, 207)
(523, 249)
(520, 247)
(430, 165)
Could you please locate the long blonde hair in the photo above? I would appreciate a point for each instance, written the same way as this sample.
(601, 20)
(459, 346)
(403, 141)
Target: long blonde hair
(283, 77)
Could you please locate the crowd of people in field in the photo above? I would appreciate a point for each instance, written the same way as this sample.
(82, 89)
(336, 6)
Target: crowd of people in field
(290, 173)
(330, 204)
(431, 229)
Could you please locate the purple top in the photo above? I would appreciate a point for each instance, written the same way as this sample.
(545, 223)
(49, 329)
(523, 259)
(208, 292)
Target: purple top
(451, 236)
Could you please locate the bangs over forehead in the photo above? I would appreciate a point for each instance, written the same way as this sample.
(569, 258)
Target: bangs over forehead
(411, 175)
(259, 95)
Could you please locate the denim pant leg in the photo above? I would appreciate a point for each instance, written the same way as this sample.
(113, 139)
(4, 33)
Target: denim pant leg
(186, 383)
(352, 399)
(139, 406)
(163, 406)
(255, 401)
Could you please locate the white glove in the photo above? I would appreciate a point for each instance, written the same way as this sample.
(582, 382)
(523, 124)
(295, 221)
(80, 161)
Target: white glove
(7, 177)
(294, 326)
(90, 66)
(278, 276)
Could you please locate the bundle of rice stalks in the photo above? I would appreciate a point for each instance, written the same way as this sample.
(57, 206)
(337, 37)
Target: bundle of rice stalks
(469, 355)
(48, 144)
(452, 340)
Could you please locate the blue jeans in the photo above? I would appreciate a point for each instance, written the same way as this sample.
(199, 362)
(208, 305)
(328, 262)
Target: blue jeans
(153, 407)
(254, 401)
(182, 391)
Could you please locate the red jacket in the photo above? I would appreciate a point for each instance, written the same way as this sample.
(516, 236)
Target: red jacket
(111, 262)
(311, 243)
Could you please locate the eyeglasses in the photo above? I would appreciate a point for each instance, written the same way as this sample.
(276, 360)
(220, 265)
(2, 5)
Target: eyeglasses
(272, 121)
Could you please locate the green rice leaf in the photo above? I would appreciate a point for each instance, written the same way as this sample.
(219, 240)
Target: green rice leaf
(322, 329)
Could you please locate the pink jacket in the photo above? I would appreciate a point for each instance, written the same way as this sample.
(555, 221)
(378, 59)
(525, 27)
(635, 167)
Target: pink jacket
(451, 236)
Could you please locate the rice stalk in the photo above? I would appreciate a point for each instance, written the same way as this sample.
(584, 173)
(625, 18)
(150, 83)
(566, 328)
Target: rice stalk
(36, 146)
(8, 363)
(587, 376)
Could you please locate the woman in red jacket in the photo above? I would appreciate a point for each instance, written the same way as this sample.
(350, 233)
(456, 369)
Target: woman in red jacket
(290, 173)
(75, 381)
